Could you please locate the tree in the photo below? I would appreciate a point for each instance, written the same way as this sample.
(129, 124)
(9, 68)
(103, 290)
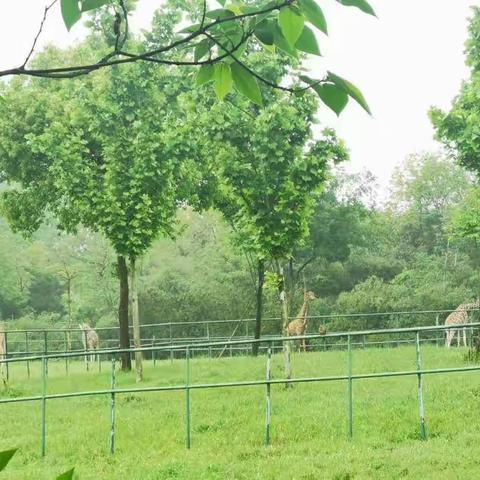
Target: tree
(270, 169)
(424, 190)
(108, 153)
(459, 128)
(218, 43)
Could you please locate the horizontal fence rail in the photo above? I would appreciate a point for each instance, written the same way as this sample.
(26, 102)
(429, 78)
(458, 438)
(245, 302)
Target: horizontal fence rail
(188, 386)
(20, 342)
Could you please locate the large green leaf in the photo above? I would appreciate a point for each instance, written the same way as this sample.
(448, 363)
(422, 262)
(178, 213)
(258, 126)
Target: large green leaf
(70, 12)
(350, 89)
(219, 13)
(332, 96)
(314, 14)
(265, 31)
(93, 4)
(205, 74)
(291, 22)
(67, 475)
(308, 42)
(223, 79)
(280, 41)
(201, 49)
(190, 29)
(246, 84)
(5, 457)
(363, 5)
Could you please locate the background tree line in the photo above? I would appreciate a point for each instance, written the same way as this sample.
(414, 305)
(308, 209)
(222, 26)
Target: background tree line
(360, 257)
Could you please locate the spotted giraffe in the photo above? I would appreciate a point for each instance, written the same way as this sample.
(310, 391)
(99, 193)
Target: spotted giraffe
(299, 325)
(90, 341)
(459, 317)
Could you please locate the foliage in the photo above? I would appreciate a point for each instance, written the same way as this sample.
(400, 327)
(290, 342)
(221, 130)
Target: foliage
(459, 128)
(220, 42)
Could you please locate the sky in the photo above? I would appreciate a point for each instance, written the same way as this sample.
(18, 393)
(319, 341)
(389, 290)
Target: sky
(408, 59)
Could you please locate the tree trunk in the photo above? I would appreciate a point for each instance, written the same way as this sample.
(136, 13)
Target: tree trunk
(135, 319)
(258, 316)
(286, 344)
(123, 312)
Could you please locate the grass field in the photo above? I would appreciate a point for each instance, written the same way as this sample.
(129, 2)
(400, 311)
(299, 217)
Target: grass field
(309, 422)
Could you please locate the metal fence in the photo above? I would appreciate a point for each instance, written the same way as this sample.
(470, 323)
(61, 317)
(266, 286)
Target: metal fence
(45, 341)
(188, 386)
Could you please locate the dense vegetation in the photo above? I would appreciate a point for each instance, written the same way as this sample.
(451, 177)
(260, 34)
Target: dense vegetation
(361, 257)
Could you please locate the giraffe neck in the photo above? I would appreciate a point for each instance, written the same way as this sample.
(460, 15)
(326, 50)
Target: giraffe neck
(302, 315)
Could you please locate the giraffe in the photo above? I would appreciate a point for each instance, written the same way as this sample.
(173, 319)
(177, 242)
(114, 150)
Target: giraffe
(89, 340)
(459, 317)
(299, 325)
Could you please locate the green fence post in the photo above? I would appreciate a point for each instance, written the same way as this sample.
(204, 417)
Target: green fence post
(187, 398)
(437, 334)
(112, 408)
(421, 407)
(85, 348)
(268, 400)
(171, 342)
(66, 351)
(7, 365)
(154, 353)
(350, 387)
(26, 353)
(208, 338)
(44, 402)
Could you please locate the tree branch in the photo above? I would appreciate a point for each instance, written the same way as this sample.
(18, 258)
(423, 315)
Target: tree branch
(109, 60)
(40, 29)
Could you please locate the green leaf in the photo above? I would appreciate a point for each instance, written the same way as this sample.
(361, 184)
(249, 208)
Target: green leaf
(201, 49)
(280, 41)
(265, 31)
(291, 22)
(223, 79)
(70, 12)
(93, 4)
(314, 14)
(67, 475)
(350, 89)
(5, 457)
(332, 96)
(308, 42)
(190, 29)
(246, 84)
(205, 74)
(222, 2)
(363, 5)
(219, 13)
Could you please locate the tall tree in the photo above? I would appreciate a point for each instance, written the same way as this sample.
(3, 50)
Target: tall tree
(270, 169)
(109, 153)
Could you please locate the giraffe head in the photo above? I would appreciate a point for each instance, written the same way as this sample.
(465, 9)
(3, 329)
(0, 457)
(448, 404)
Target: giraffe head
(84, 326)
(322, 330)
(309, 295)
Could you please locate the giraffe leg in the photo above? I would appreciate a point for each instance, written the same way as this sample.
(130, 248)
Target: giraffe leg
(449, 337)
(459, 334)
(464, 337)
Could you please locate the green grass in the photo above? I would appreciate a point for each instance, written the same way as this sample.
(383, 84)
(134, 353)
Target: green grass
(309, 422)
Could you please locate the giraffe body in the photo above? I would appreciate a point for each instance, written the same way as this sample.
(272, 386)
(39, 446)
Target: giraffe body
(459, 317)
(298, 326)
(90, 341)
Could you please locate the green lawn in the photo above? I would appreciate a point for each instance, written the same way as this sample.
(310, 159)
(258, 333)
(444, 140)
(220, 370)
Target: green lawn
(309, 422)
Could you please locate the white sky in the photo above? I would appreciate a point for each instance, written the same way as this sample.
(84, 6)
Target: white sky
(407, 60)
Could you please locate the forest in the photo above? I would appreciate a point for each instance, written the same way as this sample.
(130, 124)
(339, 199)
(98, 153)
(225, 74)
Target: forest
(364, 254)
(125, 202)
